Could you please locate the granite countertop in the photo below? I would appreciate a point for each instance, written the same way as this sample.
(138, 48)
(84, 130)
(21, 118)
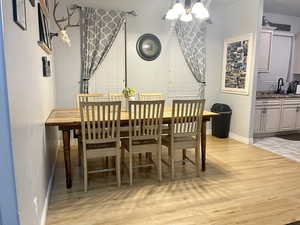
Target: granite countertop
(270, 95)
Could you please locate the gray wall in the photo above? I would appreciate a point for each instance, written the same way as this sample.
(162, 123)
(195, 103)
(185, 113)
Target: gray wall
(240, 18)
(168, 74)
(31, 99)
(8, 198)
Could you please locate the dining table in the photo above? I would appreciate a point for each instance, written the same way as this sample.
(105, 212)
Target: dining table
(68, 120)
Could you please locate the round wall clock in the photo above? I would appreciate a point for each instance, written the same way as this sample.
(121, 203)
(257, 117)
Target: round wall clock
(148, 47)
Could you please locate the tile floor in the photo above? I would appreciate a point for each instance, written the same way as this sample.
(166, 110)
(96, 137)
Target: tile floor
(280, 146)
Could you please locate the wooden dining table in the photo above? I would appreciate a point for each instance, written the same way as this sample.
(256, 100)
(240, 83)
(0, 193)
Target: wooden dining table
(69, 119)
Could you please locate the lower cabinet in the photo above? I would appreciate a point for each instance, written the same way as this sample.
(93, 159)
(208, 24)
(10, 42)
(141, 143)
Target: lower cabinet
(288, 118)
(272, 119)
(277, 115)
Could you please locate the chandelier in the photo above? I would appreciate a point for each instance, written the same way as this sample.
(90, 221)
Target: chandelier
(186, 12)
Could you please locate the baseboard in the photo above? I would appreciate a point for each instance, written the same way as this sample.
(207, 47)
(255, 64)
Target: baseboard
(46, 204)
(241, 138)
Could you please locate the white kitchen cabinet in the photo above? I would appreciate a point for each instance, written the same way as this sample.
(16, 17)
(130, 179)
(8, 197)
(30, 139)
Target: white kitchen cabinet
(258, 126)
(296, 68)
(288, 118)
(267, 116)
(271, 119)
(264, 51)
(273, 116)
(298, 118)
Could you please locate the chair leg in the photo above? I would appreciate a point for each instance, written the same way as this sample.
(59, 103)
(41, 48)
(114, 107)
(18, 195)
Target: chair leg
(183, 156)
(172, 162)
(107, 162)
(118, 166)
(79, 151)
(197, 160)
(85, 172)
(130, 165)
(159, 161)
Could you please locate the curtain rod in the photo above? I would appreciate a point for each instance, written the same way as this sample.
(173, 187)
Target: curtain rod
(132, 12)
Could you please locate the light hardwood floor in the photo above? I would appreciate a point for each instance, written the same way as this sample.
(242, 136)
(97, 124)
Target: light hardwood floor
(242, 185)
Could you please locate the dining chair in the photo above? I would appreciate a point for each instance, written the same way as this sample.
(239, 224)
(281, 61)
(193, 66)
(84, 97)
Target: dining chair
(150, 96)
(145, 128)
(100, 125)
(185, 132)
(94, 97)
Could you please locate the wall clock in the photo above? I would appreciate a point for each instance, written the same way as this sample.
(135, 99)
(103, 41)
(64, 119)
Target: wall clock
(148, 47)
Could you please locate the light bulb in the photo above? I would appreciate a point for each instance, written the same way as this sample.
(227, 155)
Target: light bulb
(171, 15)
(186, 17)
(200, 11)
(178, 8)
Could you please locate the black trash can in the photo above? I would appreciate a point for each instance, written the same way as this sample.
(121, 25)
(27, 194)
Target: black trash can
(221, 123)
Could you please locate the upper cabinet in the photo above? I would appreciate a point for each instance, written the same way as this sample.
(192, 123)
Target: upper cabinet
(297, 55)
(264, 51)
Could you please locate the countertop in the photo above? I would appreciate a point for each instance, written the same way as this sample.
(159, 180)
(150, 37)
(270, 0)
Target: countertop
(260, 95)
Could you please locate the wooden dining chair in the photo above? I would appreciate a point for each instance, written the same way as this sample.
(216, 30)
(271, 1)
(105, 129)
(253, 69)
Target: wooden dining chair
(145, 128)
(100, 124)
(150, 96)
(185, 132)
(94, 97)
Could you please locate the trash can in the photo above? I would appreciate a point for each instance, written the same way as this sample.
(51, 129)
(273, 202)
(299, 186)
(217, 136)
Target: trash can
(221, 123)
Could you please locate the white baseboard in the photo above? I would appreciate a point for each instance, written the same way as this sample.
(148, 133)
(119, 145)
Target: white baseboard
(242, 139)
(46, 204)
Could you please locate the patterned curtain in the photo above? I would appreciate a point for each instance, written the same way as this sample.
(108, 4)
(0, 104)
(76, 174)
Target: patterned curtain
(192, 40)
(98, 29)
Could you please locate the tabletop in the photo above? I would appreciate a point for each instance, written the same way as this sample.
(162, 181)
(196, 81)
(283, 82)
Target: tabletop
(60, 117)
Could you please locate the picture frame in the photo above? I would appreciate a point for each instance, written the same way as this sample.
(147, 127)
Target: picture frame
(32, 2)
(19, 13)
(44, 33)
(237, 64)
(45, 7)
(148, 47)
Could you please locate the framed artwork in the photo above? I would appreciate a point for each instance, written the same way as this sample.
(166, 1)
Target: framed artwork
(32, 2)
(44, 40)
(148, 47)
(19, 11)
(45, 7)
(237, 64)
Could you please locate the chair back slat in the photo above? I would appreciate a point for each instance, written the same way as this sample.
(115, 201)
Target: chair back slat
(145, 119)
(100, 121)
(151, 96)
(95, 97)
(187, 117)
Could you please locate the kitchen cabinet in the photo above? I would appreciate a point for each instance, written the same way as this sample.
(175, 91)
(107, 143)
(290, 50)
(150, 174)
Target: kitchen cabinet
(298, 118)
(288, 118)
(258, 126)
(296, 68)
(267, 117)
(264, 51)
(273, 116)
(271, 119)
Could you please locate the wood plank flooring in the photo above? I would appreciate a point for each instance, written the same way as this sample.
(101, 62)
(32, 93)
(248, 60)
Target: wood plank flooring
(242, 185)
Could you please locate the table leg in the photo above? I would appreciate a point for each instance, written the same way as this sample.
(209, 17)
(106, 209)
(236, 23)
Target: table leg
(203, 145)
(67, 157)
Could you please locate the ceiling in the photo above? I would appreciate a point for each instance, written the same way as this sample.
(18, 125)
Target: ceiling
(285, 7)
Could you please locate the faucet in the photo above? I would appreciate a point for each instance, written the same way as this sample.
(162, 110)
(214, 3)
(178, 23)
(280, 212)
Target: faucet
(280, 84)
